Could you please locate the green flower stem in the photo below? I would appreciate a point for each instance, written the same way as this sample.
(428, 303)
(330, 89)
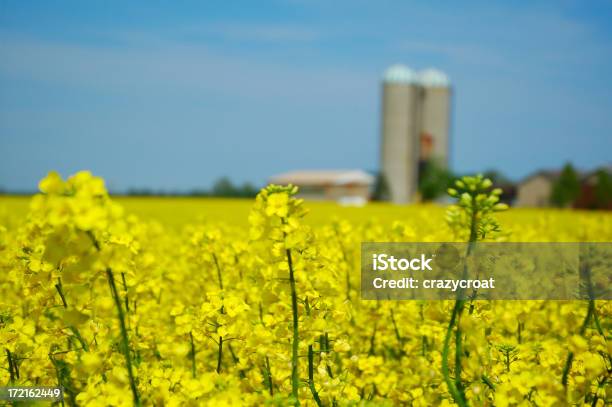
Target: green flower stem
(452, 388)
(459, 350)
(585, 272)
(456, 387)
(324, 348)
(64, 380)
(219, 277)
(488, 382)
(58, 287)
(311, 384)
(124, 336)
(570, 356)
(73, 329)
(220, 354)
(296, 337)
(236, 360)
(125, 290)
(396, 329)
(192, 356)
(373, 340)
(12, 369)
(269, 376)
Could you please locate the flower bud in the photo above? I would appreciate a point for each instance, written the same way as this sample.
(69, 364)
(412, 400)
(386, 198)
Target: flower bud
(500, 207)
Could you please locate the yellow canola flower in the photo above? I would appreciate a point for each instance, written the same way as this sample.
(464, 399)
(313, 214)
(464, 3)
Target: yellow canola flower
(52, 184)
(208, 313)
(277, 204)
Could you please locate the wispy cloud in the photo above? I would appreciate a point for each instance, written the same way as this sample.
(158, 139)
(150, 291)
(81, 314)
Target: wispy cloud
(530, 80)
(206, 31)
(174, 67)
(457, 52)
(263, 32)
(523, 42)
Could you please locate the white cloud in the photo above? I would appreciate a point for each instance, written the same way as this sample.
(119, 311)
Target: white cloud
(263, 32)
(458, 52)
(176, 68)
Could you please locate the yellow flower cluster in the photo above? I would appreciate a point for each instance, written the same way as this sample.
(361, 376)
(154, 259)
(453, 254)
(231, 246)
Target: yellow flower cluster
(122, 311)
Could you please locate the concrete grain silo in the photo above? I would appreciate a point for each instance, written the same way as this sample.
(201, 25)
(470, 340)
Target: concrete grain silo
(400, 129)
(435, 116)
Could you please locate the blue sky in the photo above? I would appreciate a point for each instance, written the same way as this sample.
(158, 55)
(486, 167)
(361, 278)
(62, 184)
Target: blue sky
(173, 95)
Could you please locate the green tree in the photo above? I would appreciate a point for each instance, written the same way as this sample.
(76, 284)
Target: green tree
(603, 189)
(223, 187)
(567, 187)
(434, 180)
(381, 188)
(248, 190)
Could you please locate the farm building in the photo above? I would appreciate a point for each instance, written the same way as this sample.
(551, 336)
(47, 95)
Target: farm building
(596, 190)
(415, 126)
(535, 190)
(351, 187)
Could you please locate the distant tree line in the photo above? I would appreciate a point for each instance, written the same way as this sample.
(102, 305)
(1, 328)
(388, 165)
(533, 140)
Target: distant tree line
(434, 180)
(566, 188)
(569, 189)
(222, 188)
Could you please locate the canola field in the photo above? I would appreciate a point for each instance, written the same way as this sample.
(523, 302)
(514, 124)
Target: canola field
(174, 302)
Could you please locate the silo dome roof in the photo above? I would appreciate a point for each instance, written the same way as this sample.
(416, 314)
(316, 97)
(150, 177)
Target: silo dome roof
(399, 74)
(433, 78)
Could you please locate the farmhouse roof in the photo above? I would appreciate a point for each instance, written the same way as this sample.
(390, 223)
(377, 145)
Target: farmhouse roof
(323, 177)
(550, 175)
